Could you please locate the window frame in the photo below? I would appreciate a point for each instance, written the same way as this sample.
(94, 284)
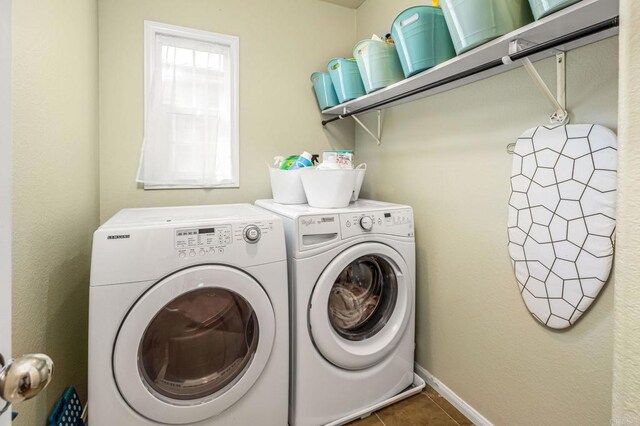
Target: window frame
(151, 29)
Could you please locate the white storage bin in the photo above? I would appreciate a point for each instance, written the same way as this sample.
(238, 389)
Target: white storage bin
(286, 186)
(329, 188)
(361, 169)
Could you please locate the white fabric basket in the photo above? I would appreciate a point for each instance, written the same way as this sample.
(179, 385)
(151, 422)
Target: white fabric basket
(361, 169)
(286, 186)
(329, 188)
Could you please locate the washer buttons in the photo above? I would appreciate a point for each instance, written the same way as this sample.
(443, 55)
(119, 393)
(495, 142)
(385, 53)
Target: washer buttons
(366, 223)
(192, 253)
(182, 255)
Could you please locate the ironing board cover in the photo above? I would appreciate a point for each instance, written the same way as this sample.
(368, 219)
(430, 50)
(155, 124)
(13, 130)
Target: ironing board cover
(562, 218)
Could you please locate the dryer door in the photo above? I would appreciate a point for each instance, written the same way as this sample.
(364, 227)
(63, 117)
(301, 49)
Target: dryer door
(194, 344)
(361, 305)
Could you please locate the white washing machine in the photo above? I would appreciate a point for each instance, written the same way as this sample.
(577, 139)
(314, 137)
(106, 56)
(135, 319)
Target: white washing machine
(188, 319)
(352, 292)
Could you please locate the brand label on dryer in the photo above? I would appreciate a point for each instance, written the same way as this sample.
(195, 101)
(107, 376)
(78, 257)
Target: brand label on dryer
(118, 237)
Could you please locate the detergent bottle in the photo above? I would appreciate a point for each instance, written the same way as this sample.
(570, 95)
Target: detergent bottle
(297, 161)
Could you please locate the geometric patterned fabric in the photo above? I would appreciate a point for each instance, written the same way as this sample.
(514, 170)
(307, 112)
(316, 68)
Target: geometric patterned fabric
(562, 218)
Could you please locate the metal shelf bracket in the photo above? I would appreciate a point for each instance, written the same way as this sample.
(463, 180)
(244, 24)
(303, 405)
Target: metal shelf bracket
(558, 102)
(366, 129)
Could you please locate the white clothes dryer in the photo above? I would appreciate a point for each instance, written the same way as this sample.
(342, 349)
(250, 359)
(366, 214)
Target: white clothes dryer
(352, 295)
(188, 320)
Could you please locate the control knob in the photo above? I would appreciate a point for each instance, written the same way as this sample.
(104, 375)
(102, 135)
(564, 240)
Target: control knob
(252, 234)
(366, 223)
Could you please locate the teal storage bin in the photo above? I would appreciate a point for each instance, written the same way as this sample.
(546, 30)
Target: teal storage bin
(542, 8)
(346, 78)
(378, 63)
(325, 93)
(422, 39)
(475, 22)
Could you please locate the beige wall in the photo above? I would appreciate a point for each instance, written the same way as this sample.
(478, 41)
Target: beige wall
(626, 366)
(281, 43)
(445, 155)
(55, 186)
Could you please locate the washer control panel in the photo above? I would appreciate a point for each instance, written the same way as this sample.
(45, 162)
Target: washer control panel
(392, 222)
(191, 242)
(314, 230)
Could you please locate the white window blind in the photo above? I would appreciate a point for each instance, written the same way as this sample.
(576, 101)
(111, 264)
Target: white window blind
(191, 109)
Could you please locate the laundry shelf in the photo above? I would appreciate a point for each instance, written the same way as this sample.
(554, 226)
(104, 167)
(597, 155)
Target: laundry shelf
(583, 23)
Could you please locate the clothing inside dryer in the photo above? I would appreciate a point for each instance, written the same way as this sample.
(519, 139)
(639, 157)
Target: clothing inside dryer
(198, 343)
(363, 297)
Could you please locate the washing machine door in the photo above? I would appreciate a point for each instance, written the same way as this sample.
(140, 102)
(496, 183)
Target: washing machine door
(194, 344)
(361, 305)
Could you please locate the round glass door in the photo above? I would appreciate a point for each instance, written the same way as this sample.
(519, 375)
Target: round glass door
(198, 344)
(363, 298)
(361, 305)
(194, 344)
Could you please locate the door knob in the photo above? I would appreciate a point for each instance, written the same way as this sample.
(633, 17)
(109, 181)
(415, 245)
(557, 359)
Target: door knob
(24, 377)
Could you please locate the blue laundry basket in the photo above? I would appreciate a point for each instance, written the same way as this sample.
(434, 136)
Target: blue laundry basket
(542, 8)
(346, 78)
(68, 410)
(323, 87)
(475, 22)
(422, 39)
(378, 63)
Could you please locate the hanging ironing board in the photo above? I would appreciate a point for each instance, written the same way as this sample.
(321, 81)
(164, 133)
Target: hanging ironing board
(562, 219)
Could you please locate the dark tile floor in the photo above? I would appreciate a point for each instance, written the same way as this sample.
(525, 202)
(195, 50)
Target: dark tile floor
(425, 408)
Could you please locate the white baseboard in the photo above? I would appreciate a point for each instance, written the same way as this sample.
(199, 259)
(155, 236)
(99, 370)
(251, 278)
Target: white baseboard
(470, 412)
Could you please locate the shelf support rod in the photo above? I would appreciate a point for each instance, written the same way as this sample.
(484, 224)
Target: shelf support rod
(561, 79)
(366, 129)
(558, 102)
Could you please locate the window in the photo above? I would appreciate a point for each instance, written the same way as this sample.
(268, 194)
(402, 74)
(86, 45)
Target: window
(191, 109)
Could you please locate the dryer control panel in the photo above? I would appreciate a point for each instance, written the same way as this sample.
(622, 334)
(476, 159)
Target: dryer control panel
(217, 239)
(191, 242)
(147, 244)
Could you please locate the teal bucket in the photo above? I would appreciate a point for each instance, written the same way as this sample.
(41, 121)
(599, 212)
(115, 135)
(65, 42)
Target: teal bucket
(325, 93)
(422, 39)
(475, 22)
(542, 8)
(346, 78)
(378, 63)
